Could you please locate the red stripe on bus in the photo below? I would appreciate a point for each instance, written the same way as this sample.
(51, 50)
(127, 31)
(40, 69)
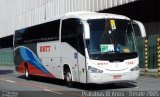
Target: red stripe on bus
(33, 70)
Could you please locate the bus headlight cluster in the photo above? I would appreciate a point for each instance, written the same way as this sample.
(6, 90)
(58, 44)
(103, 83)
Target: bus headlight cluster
(136, 68)
(94, 70)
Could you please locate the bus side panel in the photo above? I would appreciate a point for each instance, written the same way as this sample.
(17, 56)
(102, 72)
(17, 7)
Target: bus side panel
(34, 71)
(28, 53)
(18, 61)
(69, 56)
(21, 68)
(82, 68)
(48, 52)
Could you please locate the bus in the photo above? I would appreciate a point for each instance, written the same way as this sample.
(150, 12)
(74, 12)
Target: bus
(85, 47)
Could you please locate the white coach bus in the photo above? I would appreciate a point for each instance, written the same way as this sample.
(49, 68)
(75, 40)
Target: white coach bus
(85, 47)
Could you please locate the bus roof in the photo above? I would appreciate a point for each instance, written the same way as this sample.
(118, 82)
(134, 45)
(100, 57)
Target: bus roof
(94, 15)
(85, 15)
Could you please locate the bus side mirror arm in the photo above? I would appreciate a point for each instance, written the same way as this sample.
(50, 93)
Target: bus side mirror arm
(141, 27)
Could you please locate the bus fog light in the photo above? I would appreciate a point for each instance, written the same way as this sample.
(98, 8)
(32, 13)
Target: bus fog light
(94, 70)
(135, 68)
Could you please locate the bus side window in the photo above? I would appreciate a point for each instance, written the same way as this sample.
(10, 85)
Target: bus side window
(80, 38)
(72, 33)
(39, 33)
(136, 30)
(69, 32)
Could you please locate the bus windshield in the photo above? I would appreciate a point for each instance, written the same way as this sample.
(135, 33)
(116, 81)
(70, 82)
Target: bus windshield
(111, 37)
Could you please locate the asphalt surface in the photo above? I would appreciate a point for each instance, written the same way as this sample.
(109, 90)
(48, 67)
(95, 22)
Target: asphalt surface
(13, 84)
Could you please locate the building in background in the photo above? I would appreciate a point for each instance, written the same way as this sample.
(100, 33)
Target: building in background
(17, 14)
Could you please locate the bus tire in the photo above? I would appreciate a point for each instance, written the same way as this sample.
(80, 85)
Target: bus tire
(68, 77)
(27, 76)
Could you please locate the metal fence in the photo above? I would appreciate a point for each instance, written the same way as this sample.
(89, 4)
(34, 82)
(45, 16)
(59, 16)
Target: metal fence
(152, 60)
(140, 49)
(152, 51)
(6, 56)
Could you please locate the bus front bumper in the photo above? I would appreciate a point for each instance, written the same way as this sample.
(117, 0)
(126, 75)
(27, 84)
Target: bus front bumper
(102, 78)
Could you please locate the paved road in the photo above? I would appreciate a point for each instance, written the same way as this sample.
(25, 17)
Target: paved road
(14, 85)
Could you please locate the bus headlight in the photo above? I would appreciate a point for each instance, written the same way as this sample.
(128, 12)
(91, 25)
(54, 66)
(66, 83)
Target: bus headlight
(94, 70)
(136, 68)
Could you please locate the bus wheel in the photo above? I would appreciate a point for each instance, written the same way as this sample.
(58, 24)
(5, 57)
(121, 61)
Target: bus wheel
(27, 76)
(68, 78)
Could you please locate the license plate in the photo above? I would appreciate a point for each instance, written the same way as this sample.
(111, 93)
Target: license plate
(117, 76)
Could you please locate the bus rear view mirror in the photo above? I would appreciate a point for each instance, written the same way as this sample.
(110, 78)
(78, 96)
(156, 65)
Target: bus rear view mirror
(86, 30)
(141, 28)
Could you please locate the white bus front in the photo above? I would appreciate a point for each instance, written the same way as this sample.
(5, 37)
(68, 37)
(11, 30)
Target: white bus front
(111, 52)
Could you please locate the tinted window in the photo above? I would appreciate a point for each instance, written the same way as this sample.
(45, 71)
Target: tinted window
(39, 33)
(110, 36)
(136, 30)
(72, 33)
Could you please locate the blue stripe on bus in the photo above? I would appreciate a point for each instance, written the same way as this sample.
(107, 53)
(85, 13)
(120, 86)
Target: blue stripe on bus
(29, 57)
